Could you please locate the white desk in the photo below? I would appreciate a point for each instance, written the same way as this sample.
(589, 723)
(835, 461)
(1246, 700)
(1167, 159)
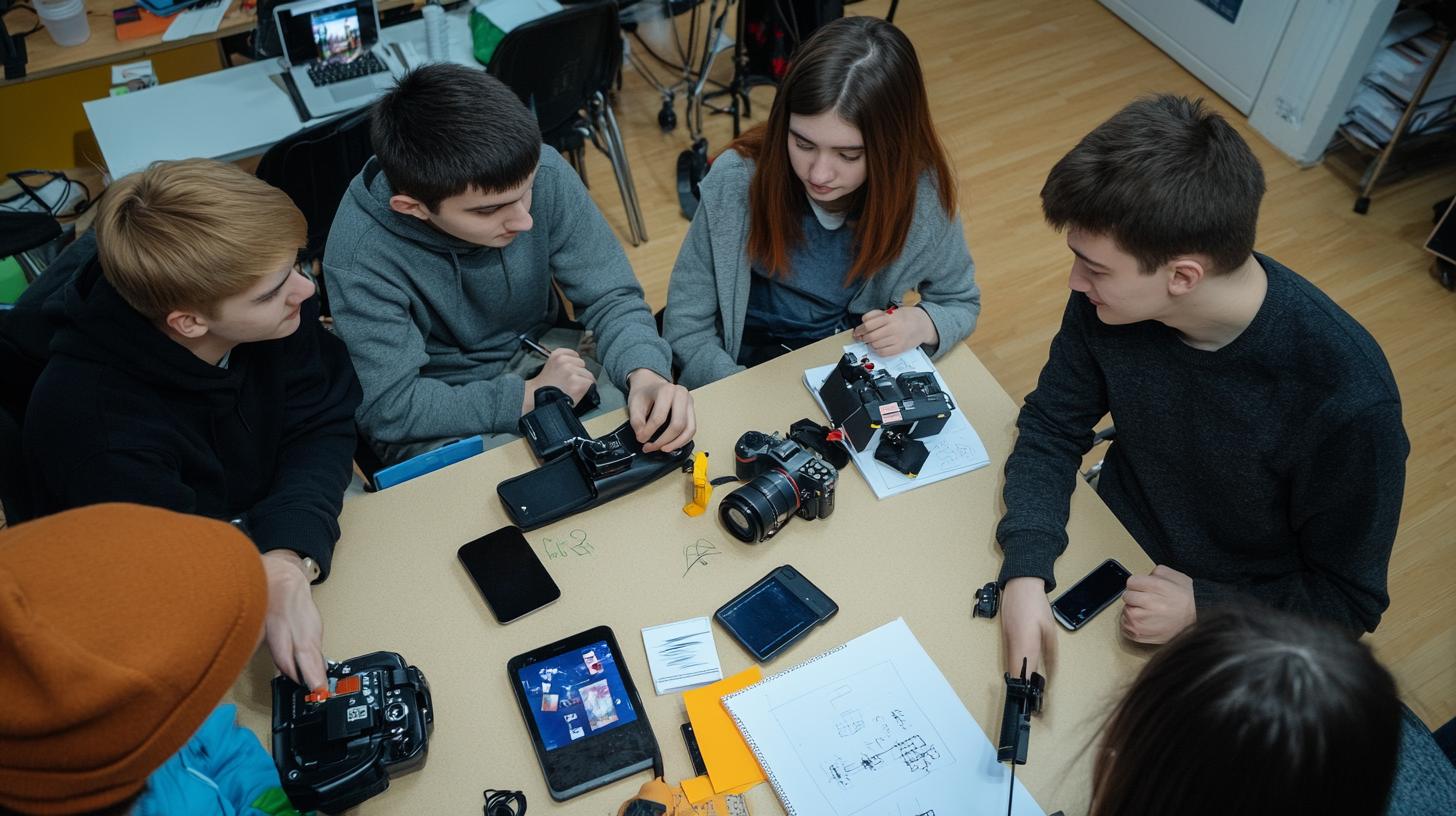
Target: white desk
(227, 114)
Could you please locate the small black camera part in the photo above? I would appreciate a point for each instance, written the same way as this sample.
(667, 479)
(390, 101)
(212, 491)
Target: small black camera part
(902, 453)
(1023, 699)
(988, 601)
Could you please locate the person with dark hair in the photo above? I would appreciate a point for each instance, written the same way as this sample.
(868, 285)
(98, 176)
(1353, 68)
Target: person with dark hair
(1252, 712)
(822, 218)
(449, 246)
(1259, 450)
(121, 629)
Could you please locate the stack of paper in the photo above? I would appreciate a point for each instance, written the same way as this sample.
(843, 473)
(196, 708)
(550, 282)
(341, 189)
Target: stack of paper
(732, 767)
(682, 655)
(955, 450)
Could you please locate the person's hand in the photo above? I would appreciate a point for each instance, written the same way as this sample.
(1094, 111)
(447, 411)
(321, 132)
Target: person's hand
(891, 333)
(1157, 606)
(564, 369)
(293, 629)
(654, 402)
(1027, 628)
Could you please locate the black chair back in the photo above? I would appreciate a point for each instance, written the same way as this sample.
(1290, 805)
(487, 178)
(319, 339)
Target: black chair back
(557, 63)
(14, 488)
(314, 167)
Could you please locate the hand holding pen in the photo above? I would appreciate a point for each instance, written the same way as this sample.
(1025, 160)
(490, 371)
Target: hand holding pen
(564, 369)
(896, 329)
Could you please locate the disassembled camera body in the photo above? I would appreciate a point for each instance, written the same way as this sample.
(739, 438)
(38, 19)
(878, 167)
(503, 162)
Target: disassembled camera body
(782, 479)
(910, 407)
(337, 748)
(577, 472)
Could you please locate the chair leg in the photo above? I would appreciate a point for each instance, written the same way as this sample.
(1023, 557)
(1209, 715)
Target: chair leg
(611, 144)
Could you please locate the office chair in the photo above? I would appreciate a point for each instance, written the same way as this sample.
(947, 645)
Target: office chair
(563, 66)
(1092, 473)
(314, 167)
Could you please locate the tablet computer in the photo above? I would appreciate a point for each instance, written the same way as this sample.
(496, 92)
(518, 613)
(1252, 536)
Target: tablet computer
(586, 721)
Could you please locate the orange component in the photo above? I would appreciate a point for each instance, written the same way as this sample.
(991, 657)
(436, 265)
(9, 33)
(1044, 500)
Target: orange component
(318, 695)
(348, 685)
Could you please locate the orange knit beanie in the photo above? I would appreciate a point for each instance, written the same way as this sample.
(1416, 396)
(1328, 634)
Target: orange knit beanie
(121, 628)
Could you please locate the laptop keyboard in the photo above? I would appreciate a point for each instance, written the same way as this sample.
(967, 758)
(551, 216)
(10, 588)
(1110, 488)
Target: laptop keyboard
(329, 73)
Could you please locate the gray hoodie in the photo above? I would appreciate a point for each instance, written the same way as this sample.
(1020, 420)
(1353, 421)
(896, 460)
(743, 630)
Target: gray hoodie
(431, 321)
(707, 299)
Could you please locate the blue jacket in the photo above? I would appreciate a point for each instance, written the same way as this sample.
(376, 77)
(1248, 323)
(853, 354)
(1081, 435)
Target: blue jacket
(223, 769)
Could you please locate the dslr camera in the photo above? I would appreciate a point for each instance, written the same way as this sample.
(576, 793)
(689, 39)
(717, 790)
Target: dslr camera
(577, 472)
(782, 480)
(335, 750)
(861, 400)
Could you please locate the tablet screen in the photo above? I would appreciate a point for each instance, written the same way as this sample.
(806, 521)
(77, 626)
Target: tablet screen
(576, 695)
(768, 616)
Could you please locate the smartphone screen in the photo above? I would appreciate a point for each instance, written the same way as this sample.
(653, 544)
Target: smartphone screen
(1091, 595)
(509, 574)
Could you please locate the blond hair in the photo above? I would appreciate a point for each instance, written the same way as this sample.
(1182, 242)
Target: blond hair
(187, 234)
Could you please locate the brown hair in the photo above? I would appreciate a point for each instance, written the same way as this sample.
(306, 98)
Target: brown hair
(187, 234)
(1251, 711)
(1165, 176)
(864, 70)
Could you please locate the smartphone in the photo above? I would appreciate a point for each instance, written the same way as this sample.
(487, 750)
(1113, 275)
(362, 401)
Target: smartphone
(1091, 595)
(508, 573)
(776, 611)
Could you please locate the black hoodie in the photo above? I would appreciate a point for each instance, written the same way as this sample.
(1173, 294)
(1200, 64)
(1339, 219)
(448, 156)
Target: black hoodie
(124, 413)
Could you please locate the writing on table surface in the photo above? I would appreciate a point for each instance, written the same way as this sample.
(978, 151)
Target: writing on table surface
(575, 545)
(697, 553)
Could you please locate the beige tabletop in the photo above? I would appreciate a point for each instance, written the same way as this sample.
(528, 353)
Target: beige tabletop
(397, 586)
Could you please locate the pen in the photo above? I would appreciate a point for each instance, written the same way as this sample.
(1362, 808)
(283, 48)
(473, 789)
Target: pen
(534, 346)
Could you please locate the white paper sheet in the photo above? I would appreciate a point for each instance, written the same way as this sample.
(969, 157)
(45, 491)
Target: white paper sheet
(872, 727)
(955, 450)
(682, 655)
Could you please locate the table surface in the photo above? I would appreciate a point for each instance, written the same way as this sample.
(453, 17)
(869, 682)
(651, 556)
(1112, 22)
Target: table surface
(396, 585)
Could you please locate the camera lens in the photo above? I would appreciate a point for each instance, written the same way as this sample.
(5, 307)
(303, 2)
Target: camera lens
(755, 511)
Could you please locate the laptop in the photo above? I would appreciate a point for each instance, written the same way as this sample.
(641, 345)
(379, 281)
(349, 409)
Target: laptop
(333, 54)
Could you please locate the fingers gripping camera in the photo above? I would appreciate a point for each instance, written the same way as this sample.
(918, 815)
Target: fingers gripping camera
(782, 480)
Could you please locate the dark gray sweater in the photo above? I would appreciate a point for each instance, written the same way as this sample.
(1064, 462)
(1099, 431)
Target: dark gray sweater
(1272, 468)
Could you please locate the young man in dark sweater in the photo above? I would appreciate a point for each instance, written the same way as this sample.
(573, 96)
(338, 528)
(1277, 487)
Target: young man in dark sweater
(1259, 456)
(188, 371)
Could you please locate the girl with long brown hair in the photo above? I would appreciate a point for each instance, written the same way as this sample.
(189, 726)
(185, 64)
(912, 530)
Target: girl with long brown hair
(825, 216)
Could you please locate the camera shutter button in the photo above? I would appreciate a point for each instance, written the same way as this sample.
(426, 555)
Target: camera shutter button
(395, 712)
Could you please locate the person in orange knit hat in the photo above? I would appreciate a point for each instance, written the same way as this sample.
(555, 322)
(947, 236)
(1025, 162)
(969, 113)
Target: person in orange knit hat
(116, 650)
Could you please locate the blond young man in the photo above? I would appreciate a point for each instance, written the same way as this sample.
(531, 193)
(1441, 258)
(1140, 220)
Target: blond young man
(188, 371)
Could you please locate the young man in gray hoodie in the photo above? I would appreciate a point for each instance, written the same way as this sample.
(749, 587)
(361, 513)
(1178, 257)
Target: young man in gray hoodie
(445, 250)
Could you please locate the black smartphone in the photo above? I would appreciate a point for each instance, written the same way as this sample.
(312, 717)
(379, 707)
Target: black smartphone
(776, 611)
(509, 574)
(1091, 595)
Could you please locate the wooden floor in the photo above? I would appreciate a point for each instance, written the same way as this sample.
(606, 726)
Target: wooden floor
(1014, 84)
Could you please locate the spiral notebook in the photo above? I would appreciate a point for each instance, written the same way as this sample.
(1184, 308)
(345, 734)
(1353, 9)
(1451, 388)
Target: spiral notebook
(872, 727)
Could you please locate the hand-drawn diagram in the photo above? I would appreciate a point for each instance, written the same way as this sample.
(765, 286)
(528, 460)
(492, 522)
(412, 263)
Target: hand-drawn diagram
(697, 553)
(863, 738)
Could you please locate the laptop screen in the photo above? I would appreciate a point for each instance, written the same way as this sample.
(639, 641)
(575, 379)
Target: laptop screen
(327, 30)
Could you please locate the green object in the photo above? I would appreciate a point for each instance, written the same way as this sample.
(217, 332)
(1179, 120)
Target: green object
(484, 36)
(12, 280)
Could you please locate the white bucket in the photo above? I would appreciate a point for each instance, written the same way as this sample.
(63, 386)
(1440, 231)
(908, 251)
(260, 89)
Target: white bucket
(65, 20)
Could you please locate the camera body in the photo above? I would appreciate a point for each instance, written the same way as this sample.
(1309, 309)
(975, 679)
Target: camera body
(375, 723)
(577, 471)
(861, 400)
(781, 480)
